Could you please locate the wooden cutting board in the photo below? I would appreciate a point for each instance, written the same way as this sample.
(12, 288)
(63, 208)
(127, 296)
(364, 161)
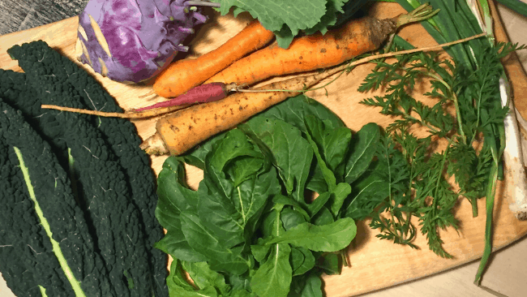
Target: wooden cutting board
(375, 264)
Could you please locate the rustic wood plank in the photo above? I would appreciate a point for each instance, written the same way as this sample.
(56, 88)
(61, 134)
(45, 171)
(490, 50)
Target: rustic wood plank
(27, 14)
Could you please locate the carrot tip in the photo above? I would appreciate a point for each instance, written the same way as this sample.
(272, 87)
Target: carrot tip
(154, 145)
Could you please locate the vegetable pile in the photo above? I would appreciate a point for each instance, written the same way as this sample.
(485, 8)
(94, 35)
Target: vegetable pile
(284, 180)
(82, 187)
(252, 228)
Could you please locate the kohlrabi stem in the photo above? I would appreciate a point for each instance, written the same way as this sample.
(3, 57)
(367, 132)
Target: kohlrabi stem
(202, 3)
(419, 14)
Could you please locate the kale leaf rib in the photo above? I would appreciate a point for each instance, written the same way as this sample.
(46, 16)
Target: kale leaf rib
(41, 178)
(15, 221)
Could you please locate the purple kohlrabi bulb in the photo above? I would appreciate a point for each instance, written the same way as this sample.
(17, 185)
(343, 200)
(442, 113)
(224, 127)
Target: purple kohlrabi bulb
(132, 40)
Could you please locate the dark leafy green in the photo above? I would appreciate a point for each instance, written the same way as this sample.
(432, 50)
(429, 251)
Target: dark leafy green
(251, 227)
(326, 238)
(274, 276)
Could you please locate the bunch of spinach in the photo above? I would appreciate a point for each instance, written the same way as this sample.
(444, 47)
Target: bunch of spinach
(252, 227)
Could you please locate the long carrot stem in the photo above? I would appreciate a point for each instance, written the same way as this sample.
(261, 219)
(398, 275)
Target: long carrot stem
(421, 13)
(202, 3)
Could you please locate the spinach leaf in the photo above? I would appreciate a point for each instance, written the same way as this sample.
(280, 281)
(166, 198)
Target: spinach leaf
(340, 193)
(174, 195)
(243, 169)
(281, 199)
(253, 197)
(294, 111)
(326, 238)
(272, 224)
(175, 244)
(368, 192)
(302, 260)
(291, 153)
(260, 251)
(330, 264)
(309, 285)
(196, 156)
(332, 142)
(178, 285)
(208, 244)
(291, 218)
(273, 278)
(314, 207)
(362, 150)
(204, 277)
(240, 282)
(226, 208)
(323, 217)
(330, 146)
(316, 181)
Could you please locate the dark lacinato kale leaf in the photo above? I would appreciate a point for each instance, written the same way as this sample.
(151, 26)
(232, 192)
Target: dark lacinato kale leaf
(123, 140)
(15, 90)
(113, 220)
(16, 224)
(62, 249)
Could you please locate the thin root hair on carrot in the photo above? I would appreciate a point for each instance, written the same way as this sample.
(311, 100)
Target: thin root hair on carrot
(124, 115)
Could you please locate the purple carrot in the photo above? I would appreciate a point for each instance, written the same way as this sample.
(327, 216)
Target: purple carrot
(200, 94)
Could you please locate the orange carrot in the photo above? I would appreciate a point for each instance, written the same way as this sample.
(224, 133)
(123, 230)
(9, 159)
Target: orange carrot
(185, 74)
(317, 51)
(178, 132)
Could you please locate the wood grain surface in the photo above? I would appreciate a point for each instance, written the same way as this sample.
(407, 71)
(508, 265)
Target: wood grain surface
(26, 14)
(375, 264)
